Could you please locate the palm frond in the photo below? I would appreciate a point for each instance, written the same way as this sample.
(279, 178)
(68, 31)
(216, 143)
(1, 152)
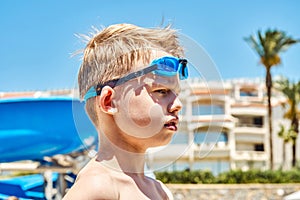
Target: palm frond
(269, 44)
(255, 45)
(291, 91)
(286, 134)
(285, 44)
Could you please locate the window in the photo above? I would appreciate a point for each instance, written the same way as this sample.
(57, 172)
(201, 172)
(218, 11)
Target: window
(248, 92)
(210, 137)
(215, 167)
(259, 147)
(250, 121)
(258, 121)
(207, 109)
(180, 138)
(183, 110)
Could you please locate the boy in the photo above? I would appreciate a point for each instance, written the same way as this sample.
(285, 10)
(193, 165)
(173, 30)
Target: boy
(129, 80)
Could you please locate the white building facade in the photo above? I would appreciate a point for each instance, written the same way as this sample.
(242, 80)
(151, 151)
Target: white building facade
(224, 126)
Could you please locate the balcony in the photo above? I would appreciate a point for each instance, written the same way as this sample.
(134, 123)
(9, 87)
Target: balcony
(169, 152)
(249, 109)
(253, 124)
(250, 155)
(211, 150)
(250, 129)
(249, 137)
(212, 120)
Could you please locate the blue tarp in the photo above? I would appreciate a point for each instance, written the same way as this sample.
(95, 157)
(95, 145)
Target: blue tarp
(31, 128)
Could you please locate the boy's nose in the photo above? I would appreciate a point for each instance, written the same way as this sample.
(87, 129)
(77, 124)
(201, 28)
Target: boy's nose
(175, 106)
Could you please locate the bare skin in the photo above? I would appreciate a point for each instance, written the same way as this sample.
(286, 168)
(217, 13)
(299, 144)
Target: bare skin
(117, 172)
(99, 182)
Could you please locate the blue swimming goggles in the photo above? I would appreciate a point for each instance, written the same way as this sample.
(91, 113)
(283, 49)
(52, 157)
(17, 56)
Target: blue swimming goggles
(165, 66)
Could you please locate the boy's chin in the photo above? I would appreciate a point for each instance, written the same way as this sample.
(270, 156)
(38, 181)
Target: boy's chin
(161, 142)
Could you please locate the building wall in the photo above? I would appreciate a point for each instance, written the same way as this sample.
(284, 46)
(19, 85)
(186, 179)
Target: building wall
(224, 126)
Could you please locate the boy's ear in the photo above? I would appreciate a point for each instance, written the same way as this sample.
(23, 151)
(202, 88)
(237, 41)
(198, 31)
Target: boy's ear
(105, 100)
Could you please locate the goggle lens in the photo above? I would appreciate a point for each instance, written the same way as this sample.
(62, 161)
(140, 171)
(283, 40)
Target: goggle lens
(170, 66)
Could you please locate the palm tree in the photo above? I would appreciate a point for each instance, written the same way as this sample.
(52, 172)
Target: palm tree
(292, 93)
(287, 135)
(268, 47)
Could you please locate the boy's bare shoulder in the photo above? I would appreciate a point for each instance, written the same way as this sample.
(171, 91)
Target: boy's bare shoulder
(96, 182)
(93, 182)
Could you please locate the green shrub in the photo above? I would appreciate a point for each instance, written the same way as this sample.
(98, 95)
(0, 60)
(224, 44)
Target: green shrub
(186, 177)
(233, 177)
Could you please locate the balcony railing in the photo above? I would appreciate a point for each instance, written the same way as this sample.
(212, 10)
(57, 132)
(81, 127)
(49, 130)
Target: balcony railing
(250, 131)
(239, 124)
(212, 150)
(250, 155)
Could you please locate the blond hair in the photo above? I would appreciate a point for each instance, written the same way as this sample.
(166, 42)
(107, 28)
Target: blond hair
(112, 52)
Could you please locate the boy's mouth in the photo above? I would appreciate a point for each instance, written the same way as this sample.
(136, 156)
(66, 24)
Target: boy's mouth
(171, 125)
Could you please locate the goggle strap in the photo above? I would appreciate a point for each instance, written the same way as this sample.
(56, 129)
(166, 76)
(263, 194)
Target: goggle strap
(183, 68)
(136, 74)
(90, 93)
(120, 81)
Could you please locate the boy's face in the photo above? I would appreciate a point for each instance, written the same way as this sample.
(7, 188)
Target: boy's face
(148, 106)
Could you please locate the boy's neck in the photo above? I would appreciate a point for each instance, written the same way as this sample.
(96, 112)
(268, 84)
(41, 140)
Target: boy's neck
(119, 159)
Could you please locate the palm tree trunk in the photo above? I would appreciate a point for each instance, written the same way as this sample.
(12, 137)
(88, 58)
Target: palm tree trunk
(295, 125)
(284, 166)
(269, 94)
(294, 153)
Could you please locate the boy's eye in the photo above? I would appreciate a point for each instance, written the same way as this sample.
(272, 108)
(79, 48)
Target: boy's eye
(162, 91)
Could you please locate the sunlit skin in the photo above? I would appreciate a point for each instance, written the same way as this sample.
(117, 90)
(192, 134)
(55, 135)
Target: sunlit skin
(146, 107)
(146, 116)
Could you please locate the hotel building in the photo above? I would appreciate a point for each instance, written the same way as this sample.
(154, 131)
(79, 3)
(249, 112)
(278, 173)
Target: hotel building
(224, 126)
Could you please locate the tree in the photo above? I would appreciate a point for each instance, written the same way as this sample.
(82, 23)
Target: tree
(268, 47)
(287, 135)
(292, 92)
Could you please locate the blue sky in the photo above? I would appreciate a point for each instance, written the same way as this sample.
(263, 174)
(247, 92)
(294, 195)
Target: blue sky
(37, 37)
